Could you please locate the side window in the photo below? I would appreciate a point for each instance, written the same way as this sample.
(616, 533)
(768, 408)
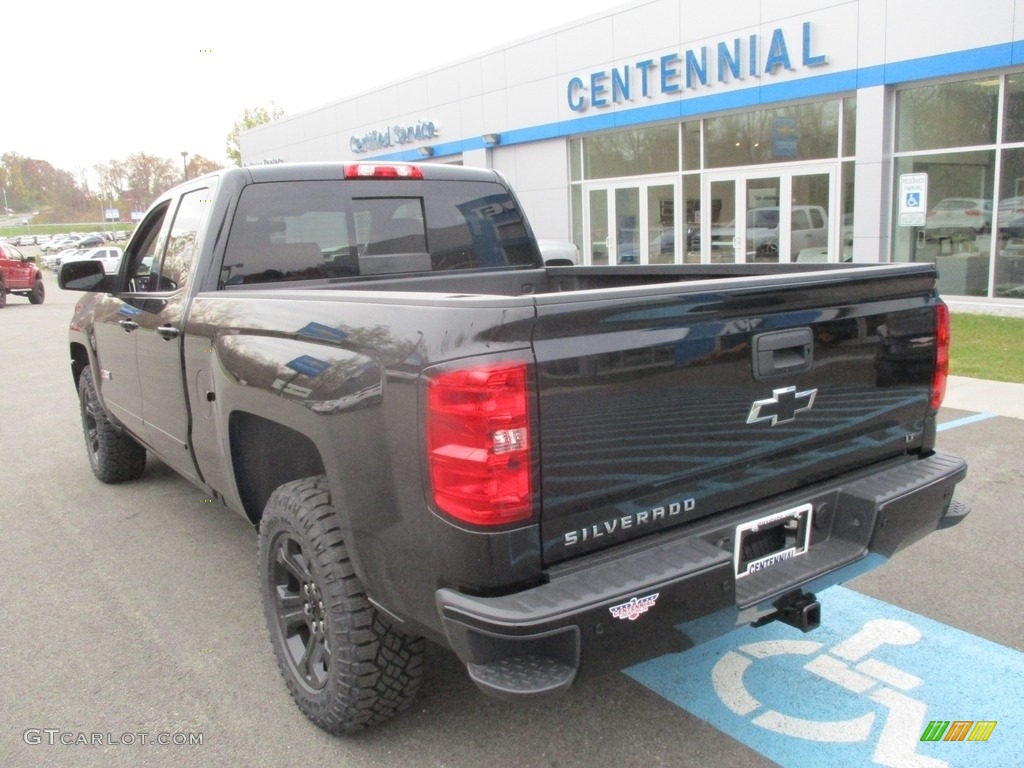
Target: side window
(800, 220)
(817, 221)
(174, 268)
(143, 250)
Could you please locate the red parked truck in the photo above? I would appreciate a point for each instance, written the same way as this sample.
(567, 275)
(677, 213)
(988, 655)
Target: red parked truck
(19, 275)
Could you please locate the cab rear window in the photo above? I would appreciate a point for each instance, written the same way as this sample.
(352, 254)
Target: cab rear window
(310, 230)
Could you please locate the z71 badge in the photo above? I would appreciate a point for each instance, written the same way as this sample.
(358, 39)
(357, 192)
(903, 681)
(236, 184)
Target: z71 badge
(634, 608)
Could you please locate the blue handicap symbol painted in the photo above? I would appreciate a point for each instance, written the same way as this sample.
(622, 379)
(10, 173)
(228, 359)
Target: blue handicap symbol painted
(860, 690)
(913, 200)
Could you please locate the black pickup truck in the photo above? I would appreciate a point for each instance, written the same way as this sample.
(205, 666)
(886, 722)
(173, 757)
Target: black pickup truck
(548, 470)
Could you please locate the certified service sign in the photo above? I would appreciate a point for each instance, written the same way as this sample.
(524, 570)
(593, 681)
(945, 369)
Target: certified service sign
(913, 199)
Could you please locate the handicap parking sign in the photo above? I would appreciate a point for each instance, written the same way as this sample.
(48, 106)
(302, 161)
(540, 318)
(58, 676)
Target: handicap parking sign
(873, 685)
(913, 199)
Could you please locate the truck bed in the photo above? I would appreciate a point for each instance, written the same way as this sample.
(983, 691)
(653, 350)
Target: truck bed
(647, 377)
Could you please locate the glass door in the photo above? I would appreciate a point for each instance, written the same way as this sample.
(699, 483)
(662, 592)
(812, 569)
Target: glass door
(631, 223)
(771, 217)
(598, 241)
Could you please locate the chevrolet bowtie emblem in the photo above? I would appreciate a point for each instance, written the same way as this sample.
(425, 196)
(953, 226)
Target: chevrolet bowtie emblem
(783, 406)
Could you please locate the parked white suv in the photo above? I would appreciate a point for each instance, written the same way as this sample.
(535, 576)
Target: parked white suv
(809, 230)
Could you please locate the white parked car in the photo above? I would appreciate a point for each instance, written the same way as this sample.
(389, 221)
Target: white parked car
(560, 253)
(955, 216)
(110, 256)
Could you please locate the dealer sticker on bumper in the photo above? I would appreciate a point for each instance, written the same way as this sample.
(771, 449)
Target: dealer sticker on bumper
(635, 608)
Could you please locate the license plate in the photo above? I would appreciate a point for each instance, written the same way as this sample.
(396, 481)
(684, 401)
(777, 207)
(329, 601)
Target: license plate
(772, 539)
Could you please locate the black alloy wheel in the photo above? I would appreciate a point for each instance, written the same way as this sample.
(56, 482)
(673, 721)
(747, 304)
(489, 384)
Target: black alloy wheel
(346, 666)
(115, 457)
(299, 611)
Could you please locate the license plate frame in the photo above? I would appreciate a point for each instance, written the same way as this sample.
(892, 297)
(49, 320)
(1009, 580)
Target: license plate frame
(794, 526)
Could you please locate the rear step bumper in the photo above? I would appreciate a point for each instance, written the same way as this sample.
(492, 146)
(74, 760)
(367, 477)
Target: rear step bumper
(619, 607)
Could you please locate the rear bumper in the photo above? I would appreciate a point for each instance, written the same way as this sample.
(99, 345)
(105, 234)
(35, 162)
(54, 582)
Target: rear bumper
(619, 607)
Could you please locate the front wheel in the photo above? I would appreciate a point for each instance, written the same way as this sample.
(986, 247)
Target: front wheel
(114, 456)
(768, 252)
(344, 663)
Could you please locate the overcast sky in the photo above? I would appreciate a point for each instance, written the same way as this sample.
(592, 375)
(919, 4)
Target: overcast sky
(85, 83)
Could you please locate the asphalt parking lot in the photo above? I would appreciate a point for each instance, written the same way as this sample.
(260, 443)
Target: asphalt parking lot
(131, 612)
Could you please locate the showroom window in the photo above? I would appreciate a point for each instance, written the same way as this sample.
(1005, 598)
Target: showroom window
(968, 137)
(636, 193)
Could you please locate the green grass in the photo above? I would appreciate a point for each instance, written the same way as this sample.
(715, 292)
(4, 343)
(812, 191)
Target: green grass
(59, 229)
(987, 347)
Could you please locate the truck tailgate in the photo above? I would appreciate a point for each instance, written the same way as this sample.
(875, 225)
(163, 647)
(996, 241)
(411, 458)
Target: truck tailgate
(666, 403)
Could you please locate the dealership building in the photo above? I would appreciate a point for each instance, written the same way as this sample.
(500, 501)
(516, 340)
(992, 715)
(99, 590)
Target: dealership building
(664, 132)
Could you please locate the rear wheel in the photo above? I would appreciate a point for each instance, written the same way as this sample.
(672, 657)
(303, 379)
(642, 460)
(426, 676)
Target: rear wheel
(345, 665)
(114, 456)
(38, 292)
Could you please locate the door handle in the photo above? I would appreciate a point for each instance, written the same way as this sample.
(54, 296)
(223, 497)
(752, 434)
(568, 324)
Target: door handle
(783, 353)
(168, 332)
(128, 325)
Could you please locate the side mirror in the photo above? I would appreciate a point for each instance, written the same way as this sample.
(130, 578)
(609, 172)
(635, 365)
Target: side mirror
(84, 276)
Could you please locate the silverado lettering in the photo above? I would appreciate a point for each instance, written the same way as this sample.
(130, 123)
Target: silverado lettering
(435, 434)
(626, 522)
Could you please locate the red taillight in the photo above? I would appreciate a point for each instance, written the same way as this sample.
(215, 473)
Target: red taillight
(478, 443)
(378, 171)
(941, 355)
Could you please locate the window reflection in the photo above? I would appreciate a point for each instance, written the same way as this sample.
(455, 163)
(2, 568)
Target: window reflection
(1013, 109)
(1009, 267)
(957, 234)
(959, 114)
(802, 132)
(632, 153)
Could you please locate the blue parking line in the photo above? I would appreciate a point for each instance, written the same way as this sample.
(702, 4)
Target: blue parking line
(872, 686)
(964, 421)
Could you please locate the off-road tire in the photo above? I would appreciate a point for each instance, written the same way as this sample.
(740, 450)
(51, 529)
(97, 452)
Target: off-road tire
(347, 667)
(38, 293)
(114, 456)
